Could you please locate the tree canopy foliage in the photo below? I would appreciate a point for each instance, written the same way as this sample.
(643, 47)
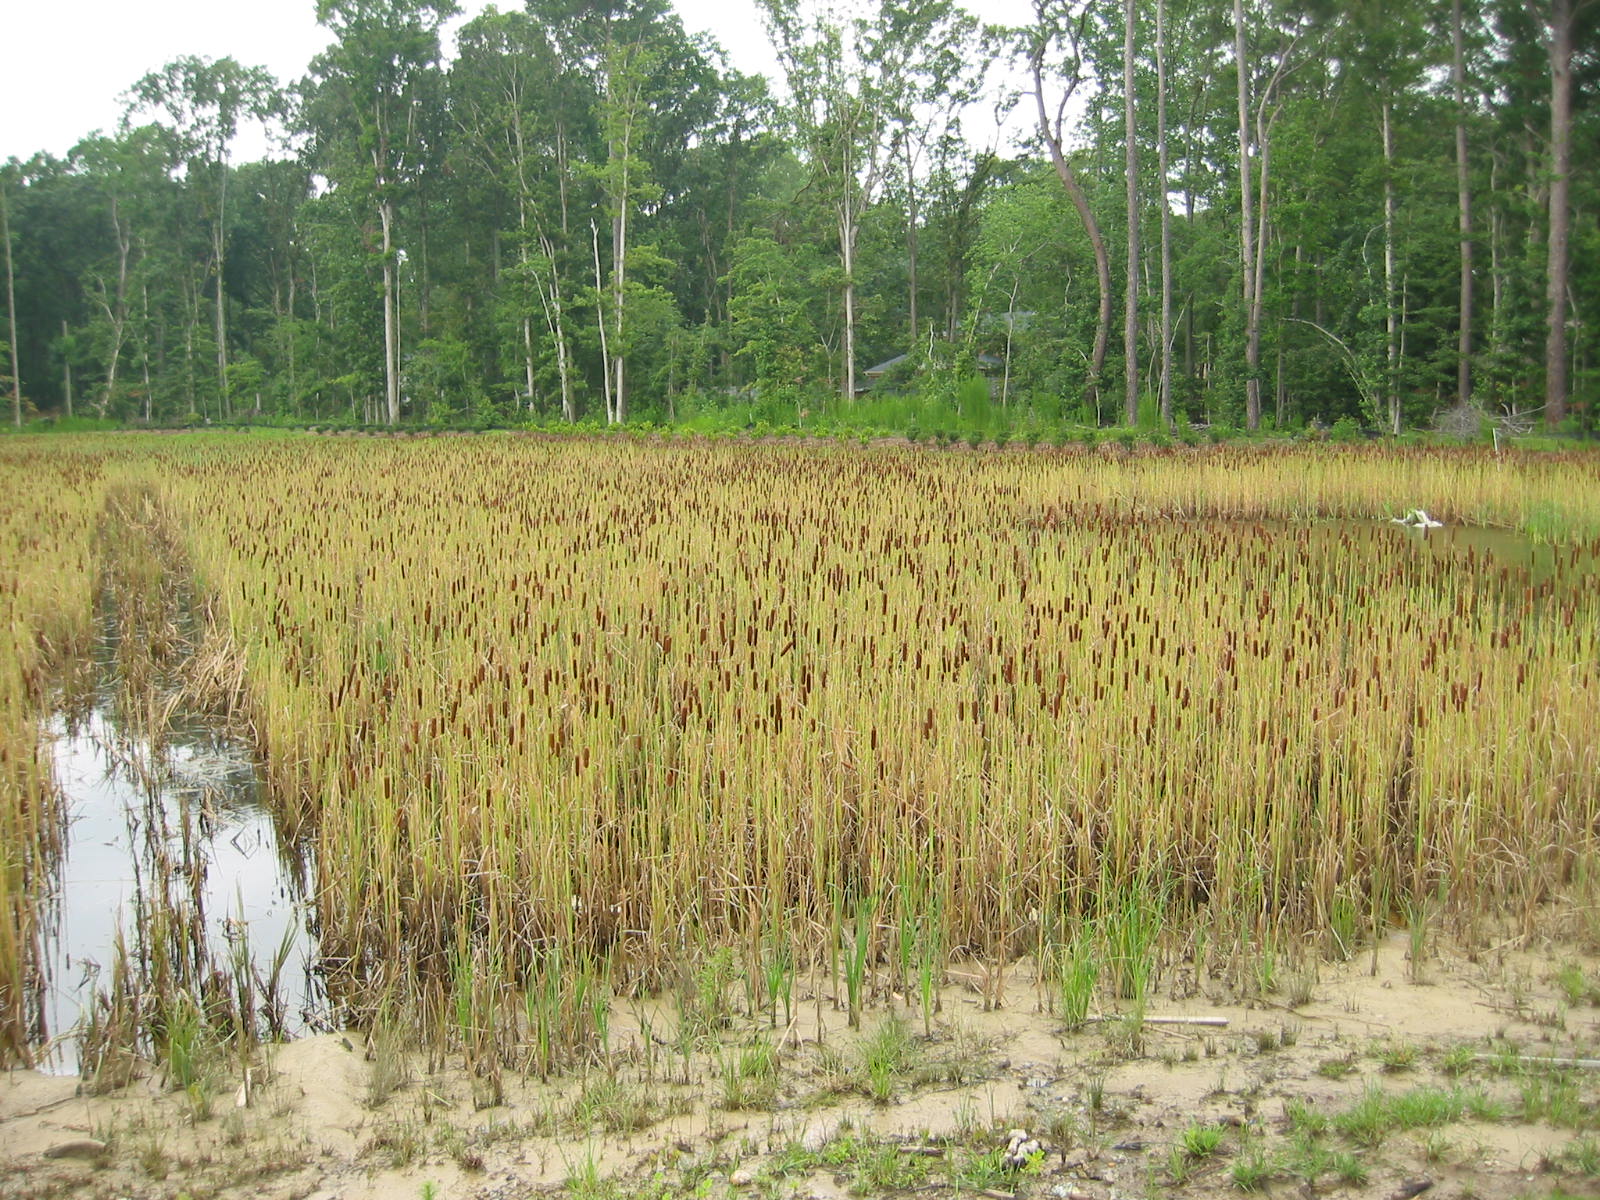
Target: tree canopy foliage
(1383, 211)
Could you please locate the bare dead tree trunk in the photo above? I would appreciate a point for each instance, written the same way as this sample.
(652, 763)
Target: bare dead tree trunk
(1464, 194)
(1162, 165)
(391, 305)
(527, 356)
(1011, 330)
(144, 350)
(1247, 246)
(600, 312)
(1051, 132)
(391, 316)
(555, 320)
(219, 239)
(1130, 304)
(1555, 346)
(911, 240)
(294, 390)
(1391, 391)
(115, 306)
(11, 312)
(66, 368)
(1258, 286)
(1497, 235)
(619, 285)
(848, 227)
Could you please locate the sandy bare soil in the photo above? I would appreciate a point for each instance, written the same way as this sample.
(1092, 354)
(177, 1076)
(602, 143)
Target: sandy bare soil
(1361, 1079)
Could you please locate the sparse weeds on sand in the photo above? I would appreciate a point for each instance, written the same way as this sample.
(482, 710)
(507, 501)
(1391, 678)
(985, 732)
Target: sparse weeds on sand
(1555, 1098)
(1420, 912)
(1201, 1141)
(1252, 1170)
(1344, 921)
(1396, 1056)
(749, 1075)
(885, 1057)
(1576, 986)
(1457, 1060)
(388, 1058)
(1196, 1146)
(613, 1105)
(1582, 1156)
(585, 1182)
(705, 1006)
(1337, 1067)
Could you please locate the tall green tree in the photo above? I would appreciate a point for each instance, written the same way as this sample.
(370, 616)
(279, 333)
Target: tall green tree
(520, 117)
(853, 82)
(132, 173)
(1055, 47)
(1130, 309)
(365, 92)
(203, 102)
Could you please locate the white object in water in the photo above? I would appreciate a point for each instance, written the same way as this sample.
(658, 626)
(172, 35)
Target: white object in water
(1418, 518)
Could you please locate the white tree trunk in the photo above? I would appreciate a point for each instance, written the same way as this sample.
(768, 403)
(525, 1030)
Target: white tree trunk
(1130, 306)
(847, 251)
(219, 237)
(11, 313)
(600, 310)
(1555, 347)
(1391, 318)
(1464, 194)
(391, 316)
(1247, 249)
(1162, 165)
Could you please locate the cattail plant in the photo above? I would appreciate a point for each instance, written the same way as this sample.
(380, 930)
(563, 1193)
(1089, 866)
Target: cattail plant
(562, 710)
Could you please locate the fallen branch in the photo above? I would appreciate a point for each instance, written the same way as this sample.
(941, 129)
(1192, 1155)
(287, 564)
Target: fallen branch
(34, 1112)
(1212, 1022)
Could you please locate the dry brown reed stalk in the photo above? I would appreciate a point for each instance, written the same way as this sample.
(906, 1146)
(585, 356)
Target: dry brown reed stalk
(214, 674)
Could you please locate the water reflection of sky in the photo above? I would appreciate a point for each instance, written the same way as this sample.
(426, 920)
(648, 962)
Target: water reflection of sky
(108, 857)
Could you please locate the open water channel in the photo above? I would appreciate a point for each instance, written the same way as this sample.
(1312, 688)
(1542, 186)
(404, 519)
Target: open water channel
(169, 842)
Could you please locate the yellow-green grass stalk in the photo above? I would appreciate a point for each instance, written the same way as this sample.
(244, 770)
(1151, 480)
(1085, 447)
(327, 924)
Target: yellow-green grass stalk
(47, 583)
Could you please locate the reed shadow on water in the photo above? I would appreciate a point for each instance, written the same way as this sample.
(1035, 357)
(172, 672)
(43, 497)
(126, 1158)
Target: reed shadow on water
(160, 841)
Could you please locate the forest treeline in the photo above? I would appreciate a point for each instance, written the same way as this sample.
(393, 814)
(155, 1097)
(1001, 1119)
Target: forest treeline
(1256, 213)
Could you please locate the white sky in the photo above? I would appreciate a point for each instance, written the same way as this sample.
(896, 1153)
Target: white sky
(68, 61)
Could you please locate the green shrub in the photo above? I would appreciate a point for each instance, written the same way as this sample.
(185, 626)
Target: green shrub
(1345, 430)
(972, 397)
